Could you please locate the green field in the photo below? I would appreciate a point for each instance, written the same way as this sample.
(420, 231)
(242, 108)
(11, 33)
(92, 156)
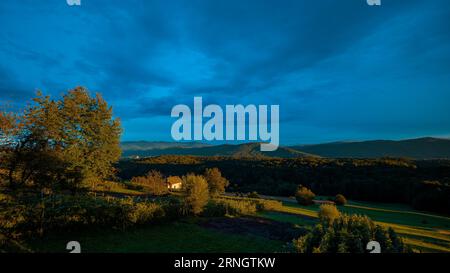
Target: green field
(166, 238)
(425, 232)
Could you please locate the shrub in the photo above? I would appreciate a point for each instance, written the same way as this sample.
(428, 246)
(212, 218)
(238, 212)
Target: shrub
(238, 207)
(304, 196)
(348, 234)
(328, 213)
(35, 216)
(264, 204)
(196, 194)
(253, 194)
(145, 212)
(340, 200)
(153, 182)
(215, 208)
(173, 207)
(226, 206)
(245, 205)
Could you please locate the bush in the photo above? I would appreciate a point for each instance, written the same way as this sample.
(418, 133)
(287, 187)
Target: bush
(264, 204)
(328, 213)
(196, 194)
(304, 196)
(238, 207)
(222, 207)
(173, 207)
(153, 182)
(35, 216)
(245, 205)
(348, 234)
(253, 194)
(340, 200)
(145, 212)
(215, 208)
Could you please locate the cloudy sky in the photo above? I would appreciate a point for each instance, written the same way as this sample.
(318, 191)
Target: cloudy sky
(340, 70)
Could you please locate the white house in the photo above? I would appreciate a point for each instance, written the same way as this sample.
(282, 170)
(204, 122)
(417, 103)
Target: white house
(174, 183)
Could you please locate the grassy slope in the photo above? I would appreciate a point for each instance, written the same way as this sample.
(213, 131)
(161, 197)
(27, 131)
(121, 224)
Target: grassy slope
(166, 238)
(423, 231)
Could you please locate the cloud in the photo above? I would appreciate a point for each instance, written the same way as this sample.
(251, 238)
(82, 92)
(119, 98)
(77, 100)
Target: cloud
(337, 65)
(12, 92)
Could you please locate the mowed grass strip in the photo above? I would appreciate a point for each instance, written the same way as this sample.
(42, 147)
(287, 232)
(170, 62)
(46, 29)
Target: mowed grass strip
(404, 216)
(289, 208)
(425, 246)
(418, 232)
(416, 213)
(291, 218)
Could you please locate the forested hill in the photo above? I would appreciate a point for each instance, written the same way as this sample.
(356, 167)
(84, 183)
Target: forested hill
(242, 150)
(420, 148)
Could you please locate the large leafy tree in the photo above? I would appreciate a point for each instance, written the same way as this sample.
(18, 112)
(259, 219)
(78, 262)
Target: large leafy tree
(304, 196)
(216, 182)
(63, 143)
(154, 182)
(91, 137)
(9, 127)
(196, 193)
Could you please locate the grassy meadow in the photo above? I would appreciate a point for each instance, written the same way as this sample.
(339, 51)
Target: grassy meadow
(423, 231)
(184, 237)
(255, 232)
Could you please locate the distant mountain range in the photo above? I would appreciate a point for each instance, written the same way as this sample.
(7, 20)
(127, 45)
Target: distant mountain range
(420, 148)
(158, 145)
(143, 149)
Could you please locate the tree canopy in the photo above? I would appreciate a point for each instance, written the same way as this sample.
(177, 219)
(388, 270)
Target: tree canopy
(70, 142)
(196, 193)
(304, 196)
(349, 234)
(216, 182)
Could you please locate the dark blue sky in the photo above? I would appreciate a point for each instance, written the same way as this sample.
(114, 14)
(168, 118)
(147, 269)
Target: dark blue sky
(340, 70)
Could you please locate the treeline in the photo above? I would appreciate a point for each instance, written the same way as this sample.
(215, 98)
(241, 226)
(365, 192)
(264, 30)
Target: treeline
(422, 184)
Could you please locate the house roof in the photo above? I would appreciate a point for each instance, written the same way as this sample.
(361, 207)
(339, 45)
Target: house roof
(172, 180)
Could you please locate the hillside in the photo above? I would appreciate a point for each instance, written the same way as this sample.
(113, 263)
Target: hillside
(420, 148)
(242, 150)
(158, 145)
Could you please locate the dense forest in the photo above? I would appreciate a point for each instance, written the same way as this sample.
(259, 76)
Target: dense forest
(424, 184)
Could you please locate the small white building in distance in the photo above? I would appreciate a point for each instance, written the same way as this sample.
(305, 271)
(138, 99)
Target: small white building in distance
(174, 183)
